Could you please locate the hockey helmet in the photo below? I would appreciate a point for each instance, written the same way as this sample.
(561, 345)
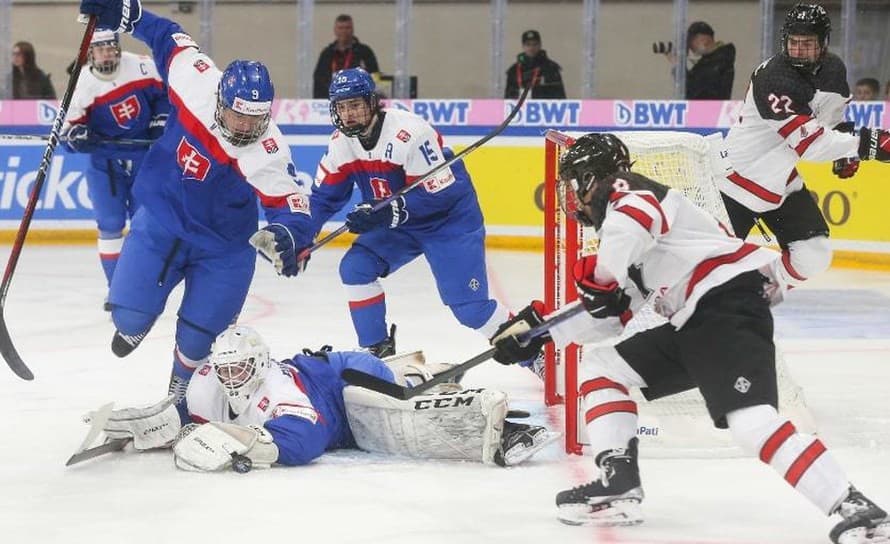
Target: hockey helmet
(240, 359)
(104, 54)
(592, 158)
(807, 20)
(244, 102)
(349, 84)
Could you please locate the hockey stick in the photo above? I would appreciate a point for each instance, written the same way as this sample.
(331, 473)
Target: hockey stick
(37, 137)
(368, 381)
(7, 349)
(386, 201)
(97, 421)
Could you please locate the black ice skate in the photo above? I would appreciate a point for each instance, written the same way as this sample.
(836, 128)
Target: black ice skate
(614, 499)
(864, 522)
(520, 441)
(385, 347)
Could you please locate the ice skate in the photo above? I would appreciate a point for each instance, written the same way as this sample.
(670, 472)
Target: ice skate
(864, 522)
(613, 499)
(520, 441)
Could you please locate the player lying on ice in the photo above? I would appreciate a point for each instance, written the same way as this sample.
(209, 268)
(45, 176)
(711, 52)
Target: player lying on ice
(653, 241)
(291, 412)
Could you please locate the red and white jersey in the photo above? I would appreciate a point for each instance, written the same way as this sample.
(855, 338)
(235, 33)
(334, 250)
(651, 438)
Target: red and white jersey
(788, 115)
(281, 393)
(657, 244)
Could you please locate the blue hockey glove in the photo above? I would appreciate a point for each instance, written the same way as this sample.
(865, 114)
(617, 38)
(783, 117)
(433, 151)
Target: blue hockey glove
(362, 219)
(119, 15)
(79, 139)
(276, 243)
(156, 125)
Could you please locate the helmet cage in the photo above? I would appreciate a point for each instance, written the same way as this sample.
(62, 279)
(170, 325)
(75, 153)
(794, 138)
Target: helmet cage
(591, 159)
(373, 103)
(106, 68)
(244, 94)
(240, 361)
(807, 20)
(236, 137)
(348, 84)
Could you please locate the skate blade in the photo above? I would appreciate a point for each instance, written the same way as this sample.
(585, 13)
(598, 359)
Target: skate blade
(865, 535)
(517, 455)
(615, 514)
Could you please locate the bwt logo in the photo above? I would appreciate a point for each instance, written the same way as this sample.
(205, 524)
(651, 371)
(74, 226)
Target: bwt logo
(547, 113)
(438, 112)
(647, 113)
(865, 114)
(62, 190)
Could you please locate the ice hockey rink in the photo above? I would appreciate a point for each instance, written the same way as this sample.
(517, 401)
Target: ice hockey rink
(835, 333)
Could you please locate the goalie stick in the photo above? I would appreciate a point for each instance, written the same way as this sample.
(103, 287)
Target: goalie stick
(469, 149)
(7, 349)
(37, 137)
(368, 381)
(97, 421)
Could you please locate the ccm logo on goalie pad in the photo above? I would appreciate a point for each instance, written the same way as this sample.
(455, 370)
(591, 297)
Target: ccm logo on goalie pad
(448, 400)
(305, 412)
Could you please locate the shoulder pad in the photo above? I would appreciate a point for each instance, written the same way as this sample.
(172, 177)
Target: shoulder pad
(639, 182)
(780, 91)
(832, 77)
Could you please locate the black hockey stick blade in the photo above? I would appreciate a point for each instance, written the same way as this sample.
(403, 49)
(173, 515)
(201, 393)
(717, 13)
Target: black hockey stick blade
(368, 381)
(112, 445)
(7, 349)
(458, 156)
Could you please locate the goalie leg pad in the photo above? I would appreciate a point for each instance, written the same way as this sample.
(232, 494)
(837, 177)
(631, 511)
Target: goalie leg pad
(209, 447)
(460, 424)
(152, 427)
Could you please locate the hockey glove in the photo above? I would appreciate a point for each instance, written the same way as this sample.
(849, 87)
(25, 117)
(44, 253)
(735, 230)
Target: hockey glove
(362, 219)
(79, 139)
(845, 168)
(874, 143)
(156, 125)
(209, 447)
(509, 349)
(600, 301)
(276, 243)
(119, 15)
(152, 427)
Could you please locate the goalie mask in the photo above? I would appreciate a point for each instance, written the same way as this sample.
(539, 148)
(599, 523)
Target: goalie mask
(244, 102)
(354, 101)
(591, 159)
(240, 359)
(806, 20)
(104, 54)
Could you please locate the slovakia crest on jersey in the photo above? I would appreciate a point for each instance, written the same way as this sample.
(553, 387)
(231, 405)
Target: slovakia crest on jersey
(194, 165)
(270, 145)
(126, 111)
(263, 404)
(403, 135)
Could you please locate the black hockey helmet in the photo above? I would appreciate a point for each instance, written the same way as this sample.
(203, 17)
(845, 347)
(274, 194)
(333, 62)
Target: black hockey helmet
(807, 20)
(592, 158)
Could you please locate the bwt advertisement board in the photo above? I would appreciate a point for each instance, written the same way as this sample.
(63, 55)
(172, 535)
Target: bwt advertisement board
(507, 172)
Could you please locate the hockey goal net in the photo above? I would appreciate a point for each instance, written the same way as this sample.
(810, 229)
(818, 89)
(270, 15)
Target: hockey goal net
(678, 425)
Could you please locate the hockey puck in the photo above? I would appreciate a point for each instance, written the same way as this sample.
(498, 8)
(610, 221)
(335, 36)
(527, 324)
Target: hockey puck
(241, 463)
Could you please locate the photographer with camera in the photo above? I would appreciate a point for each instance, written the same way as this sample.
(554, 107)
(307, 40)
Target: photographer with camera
(710, 64)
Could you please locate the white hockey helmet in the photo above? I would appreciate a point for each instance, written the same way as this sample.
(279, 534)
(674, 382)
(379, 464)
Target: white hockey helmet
(240, 359)
(104, 53)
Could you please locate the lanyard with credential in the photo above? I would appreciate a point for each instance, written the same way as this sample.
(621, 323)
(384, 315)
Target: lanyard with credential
(519, 76)
(346, 62)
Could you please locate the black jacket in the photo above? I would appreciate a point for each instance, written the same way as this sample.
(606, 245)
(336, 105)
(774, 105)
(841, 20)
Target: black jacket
(711, 77)
(36, 86)
(331, 60)
(549, 83)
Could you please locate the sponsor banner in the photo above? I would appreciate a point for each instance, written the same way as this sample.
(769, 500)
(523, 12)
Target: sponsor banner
(624, 114)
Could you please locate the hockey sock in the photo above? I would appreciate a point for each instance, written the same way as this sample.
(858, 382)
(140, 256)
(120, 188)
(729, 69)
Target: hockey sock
(367, 307)
(109, 251)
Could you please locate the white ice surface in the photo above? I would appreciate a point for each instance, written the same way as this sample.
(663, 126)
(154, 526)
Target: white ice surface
(55, 318)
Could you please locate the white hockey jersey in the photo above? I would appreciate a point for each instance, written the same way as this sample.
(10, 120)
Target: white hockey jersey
(281, 393)
(788, 115)
(657, 244)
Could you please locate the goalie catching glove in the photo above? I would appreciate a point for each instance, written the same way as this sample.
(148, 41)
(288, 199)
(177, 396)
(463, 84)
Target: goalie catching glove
(509, 349)
(600, 301)
(277, 244)
(152, 427)
(209, 447)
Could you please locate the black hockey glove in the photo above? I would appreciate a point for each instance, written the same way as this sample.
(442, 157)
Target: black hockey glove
(600, 301)
(874, 144)
(362, 219)
(509, 349)
(845, 168)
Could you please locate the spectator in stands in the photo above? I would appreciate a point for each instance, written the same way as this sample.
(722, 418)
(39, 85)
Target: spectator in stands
(533, 60)
(29, 81)
(344, 52)
(867, 88)
(887, 91)
(710, 64)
